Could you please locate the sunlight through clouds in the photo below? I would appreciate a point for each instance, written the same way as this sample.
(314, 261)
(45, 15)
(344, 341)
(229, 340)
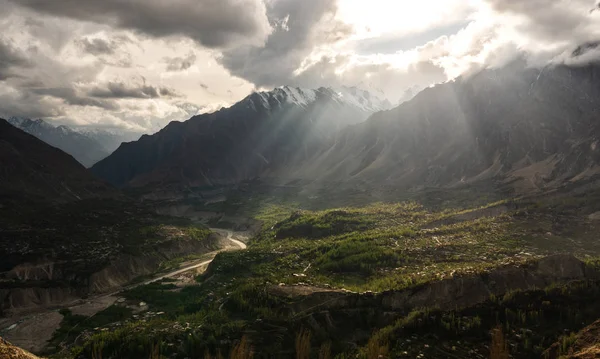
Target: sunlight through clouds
(52, 55)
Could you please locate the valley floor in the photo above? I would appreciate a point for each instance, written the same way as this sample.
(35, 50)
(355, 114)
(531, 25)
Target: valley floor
(33, 331)
(378, 280)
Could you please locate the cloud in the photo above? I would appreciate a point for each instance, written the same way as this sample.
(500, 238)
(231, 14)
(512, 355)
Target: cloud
(554, 21)
(142, 63)
(73, 97)
(10, 58)
(14, 103)
(98, 46)
(120, 90)
(212, 23)
(542, 31)
(300, 26)
(180, 63)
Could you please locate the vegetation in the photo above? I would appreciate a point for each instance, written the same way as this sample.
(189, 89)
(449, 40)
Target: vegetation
(85, 235)
(253, 303)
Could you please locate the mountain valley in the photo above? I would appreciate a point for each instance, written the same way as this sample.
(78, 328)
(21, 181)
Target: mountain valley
(461, 224)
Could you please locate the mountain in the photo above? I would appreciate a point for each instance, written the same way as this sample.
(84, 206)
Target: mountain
(33, 169)
(519, 127)
(263, 132)
(87, 147)
(528, 128)
(110, 140)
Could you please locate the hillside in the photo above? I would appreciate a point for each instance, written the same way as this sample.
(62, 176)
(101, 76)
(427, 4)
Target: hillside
(31, 169)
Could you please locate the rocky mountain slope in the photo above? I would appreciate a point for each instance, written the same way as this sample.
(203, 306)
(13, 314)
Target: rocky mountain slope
(532, 128)
(110, 140)
(265, 131)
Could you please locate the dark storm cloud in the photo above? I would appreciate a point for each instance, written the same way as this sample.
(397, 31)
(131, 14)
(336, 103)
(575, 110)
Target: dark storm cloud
(10, 58)
(212, 23)
(299, 27)
(98, 46)
(119, 90)
(180, 63)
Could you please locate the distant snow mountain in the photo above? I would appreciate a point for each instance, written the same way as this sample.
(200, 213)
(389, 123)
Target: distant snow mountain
(87, 147)
(109, 139)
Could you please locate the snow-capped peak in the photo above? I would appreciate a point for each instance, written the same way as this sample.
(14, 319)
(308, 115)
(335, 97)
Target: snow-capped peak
(362, 99)
(353, 96)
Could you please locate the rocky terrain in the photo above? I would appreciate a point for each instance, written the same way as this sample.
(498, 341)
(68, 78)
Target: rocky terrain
(582, 345)
(8, 351)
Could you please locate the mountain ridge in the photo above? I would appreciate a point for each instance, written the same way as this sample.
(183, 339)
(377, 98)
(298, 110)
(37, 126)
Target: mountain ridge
(236, 143)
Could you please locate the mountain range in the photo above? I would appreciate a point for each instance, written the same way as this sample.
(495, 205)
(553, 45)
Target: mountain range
(521, 127)
(86, 146)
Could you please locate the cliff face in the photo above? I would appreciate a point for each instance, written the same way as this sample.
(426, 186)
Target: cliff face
(449, 294)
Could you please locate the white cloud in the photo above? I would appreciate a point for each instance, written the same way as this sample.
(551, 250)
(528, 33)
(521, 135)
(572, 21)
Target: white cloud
(107, 68)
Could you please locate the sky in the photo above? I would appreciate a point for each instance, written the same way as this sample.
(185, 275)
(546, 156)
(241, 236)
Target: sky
(136, 65)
